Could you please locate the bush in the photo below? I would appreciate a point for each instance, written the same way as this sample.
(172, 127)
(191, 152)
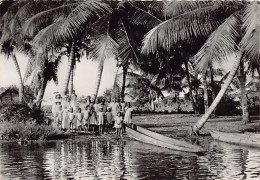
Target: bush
(18, 121)
(227, 107)
(26, 131)
(20, 113)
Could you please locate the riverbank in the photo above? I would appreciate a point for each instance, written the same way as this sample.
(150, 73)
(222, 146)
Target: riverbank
(177, 125)
(172, 125)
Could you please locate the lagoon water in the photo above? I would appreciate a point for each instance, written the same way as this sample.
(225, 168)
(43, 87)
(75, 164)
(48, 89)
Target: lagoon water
(124, 159)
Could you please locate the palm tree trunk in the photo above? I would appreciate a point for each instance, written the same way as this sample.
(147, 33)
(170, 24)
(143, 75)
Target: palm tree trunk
(99, 76)
(41, 94)
(243, 101)
(205, 89)
(123, 84)
(216, 101)
(20, 78)
(70, 66)
(213, 94)
(190, 88)
(71, 81)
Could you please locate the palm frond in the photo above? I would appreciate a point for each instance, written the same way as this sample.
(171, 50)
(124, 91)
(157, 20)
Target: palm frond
(30, 67)
(29, 10)
(35, 64)
(7, 18)
(49, 36)
(67, 28)
(175, 8)
(144, 18)
(42, 19)
(251, 40)
(105, 47)
(220, 44)
(196, 23)
(125, 51)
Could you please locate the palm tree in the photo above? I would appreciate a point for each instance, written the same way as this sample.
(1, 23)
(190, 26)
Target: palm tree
(60, 24)
(238, 33)
(10, 41)
(43, 69)
(199, 19)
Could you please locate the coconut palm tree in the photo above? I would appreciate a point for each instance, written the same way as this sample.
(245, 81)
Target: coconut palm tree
(61, 24)
(237, 34)
(10, 42)
(199, 19)
(43, 69)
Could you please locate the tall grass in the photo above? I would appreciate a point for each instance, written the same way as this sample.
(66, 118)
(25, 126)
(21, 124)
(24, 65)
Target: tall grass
(26, 131)
(19, 121)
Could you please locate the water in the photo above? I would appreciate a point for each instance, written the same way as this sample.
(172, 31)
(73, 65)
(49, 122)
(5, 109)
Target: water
(124, 159)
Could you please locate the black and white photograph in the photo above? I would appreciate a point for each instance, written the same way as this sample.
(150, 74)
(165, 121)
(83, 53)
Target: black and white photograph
(130, 89)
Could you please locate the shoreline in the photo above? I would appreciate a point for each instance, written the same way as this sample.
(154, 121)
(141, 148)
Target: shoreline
(171, 125)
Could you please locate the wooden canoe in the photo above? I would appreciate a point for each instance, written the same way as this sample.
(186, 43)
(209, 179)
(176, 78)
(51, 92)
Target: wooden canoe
(149, 137)
(251, 139)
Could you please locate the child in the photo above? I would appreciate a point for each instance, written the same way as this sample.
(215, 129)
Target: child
(100, 115)
(71, 118)
(93, 118)
(79, 117)
(58, 117)
(128, 114)
(109, 119)
(86, 117)
(65, 107)
(118, 124)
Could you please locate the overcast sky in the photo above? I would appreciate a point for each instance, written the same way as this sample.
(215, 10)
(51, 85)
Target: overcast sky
(85, 76)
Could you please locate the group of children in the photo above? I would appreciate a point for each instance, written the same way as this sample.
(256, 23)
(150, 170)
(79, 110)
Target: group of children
(75, 114)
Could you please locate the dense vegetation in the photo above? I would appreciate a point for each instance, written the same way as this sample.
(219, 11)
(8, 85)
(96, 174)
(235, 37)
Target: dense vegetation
(173, 45)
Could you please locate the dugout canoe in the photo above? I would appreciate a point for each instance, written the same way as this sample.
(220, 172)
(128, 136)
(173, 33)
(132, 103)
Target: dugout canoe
(249, 139)
(154, 138)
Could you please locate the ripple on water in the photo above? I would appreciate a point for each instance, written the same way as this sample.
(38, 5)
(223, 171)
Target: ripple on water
(124, 159)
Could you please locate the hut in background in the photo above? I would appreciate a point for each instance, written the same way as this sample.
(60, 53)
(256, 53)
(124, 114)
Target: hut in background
(9, 95)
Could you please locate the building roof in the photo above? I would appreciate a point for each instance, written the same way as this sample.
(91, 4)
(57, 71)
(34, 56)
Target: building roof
(6, 90)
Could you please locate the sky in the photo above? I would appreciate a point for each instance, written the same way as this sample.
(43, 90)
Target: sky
(84, 80)
(85, 75)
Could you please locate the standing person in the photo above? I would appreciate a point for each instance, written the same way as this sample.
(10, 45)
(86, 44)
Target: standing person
(54, 99)
(118, 124)
(88, 100)
(83, 104)
(71, 119)
(115, 107)
(123, 104)
(96, 106)
(79, 117)
(104, 106)
(100, 115)
(109, 119)
(86, 116)
(56, 104)
(65, 106)
(58, 117)
(93, 119)
(128, 114)
(73, 102)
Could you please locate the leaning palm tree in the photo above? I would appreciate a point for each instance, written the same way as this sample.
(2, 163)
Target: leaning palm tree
(199, 18)
(43, 69)
(238, 34)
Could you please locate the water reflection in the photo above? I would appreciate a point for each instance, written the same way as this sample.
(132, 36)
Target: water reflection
(124, 159)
